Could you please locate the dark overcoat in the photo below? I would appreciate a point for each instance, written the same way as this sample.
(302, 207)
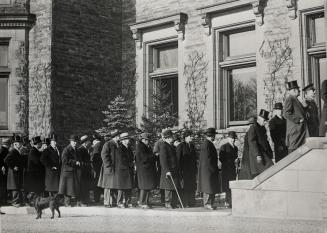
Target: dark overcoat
(124, 168)
(3, 177)
(277, 127)
(259, 146)
(145, 167)
(187, 159)
(168, 163)
(312, 117)
(14, 178)
(25, 151)
(107, 172)
(35, 172)
(227, 156)
(208, 177)
(323, 119)
(96, 162)
(296, 132)
(50, 158)
(70, 177)
(85, 169)
(245, 172)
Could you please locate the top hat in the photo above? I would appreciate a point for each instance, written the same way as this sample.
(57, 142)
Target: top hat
(36, 140)
(278, 106)
(232, 134)
(210, 132)
(309, 87)
(84, 138)
(96, 136)
(264, 114)
(16, 138)
(187, 133)
(292, 85)
(73, 138)
(46, 141)
(167, 133)
(53, 137)
(176, 137)
(123, 136)
(26, 140)
(145, 136)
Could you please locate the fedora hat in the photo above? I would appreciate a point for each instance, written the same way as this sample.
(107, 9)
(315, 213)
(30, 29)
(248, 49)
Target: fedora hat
(73, 138)
(210, 132)
(123, 136)
(36, 140)
(84, 138)
(167, 133)
(53, 137)
(264, 114)
(232, 134)
(292, 85)
(309, 87)
(145, 136)
(278, 106)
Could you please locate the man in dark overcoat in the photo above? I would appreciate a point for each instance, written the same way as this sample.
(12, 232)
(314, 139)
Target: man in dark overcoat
(108, 169)
(96, 163)
(169, 169)
(85, 169)
(228, 156)
(35, 169)
(156, 151)
(277, 127)
(124, 172)
(51, 160)
(208, 180)
(296, 125)
(311, 110)
(15, 171)
(25, 151)
(69, 184)
(4, 150)
(146, 169)
(188, 162)
(323, 120)
(260, 152)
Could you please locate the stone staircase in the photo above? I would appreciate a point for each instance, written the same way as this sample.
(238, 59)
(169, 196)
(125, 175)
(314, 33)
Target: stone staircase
(294, 188)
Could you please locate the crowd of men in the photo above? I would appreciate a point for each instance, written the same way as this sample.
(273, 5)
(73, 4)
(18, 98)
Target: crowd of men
(38, 167)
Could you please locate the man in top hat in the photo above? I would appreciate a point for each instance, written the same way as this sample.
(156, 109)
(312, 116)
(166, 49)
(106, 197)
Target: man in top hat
(259, 150)
(323, 120)
(296, 125)
(4, 150)
(186, 155)
(311, 110)
(169, 169)
(108, 170)
(208, 177)
(228, 156)
(277, 127)
(51, 160)
(85, 169)
(69, 184)
(96, 163)
(146, 169)
(156, 151)
(35, 169)
(25, 151)
(124, 165)
(15, 171)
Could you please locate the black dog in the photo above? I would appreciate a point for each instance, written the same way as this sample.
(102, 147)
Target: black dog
(42, 203)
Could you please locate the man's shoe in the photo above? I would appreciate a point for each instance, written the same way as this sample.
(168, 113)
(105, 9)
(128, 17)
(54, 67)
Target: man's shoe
(145, 207)
(107, 206)
(121, 206)
(130, 206)
(209, 207)
(168, 206)
(17, 205)
(2, 213)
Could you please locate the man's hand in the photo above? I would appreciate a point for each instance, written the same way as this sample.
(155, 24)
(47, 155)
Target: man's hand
(259, 159)
(301, 120)
(16, 168)
(3, 169)
(54, 168)
(78, 163)
(168, 174)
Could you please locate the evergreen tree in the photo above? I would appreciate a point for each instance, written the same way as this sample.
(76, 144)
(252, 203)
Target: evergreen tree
(117, 116)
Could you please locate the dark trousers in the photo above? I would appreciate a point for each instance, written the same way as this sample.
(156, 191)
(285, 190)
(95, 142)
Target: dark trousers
(228, 197)
(171, 197)
(16, 197)
(189, 197)
(110, 197)
(97, 193)
(162, 196)
(124, 194)
(208, 199)
(85, 196)
(144, 197)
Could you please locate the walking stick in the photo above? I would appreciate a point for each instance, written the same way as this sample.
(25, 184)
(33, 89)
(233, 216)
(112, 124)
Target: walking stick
(179, 198)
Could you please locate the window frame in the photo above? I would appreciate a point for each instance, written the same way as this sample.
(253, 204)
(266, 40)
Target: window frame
(4, 75)
(224, 64)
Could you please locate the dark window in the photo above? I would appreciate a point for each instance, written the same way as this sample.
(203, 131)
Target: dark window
(3, 102)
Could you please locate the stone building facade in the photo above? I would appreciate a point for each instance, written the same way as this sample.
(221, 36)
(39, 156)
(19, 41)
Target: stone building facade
(61, 62)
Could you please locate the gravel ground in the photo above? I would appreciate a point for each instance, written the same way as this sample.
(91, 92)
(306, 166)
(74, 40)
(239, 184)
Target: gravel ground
(172, 222)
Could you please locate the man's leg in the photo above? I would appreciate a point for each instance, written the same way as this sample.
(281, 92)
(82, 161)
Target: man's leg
(141, 197)
(120, 198)
(168, 198)
(113, 197)
(106, 197)
(128, 197)
(67, 200)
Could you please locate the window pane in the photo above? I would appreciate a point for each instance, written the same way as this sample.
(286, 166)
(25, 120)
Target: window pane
(322, 73)
(3, 103)
(167, 94)
(3, 55)
(243, 93)
(320, 30)
(242, 43)
(167, 57)
(5, 2)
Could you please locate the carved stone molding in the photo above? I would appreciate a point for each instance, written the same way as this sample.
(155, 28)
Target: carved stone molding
(25, 21)
(291, 6)
(206, 23)
(137, 38)
(258, 10)
(180, 26)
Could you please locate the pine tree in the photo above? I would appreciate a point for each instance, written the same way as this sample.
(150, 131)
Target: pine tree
(117, 116)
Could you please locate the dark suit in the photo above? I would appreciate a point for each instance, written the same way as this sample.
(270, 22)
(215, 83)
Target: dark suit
(312, 118)
(245, 172)
(296, 132)
(323, 120)
(35, 172)
(277, 128)
(86, 173)
(3, 176)
(208, 181)
(50, 158)
(187, 159)
(96, 163)
(227, 156)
